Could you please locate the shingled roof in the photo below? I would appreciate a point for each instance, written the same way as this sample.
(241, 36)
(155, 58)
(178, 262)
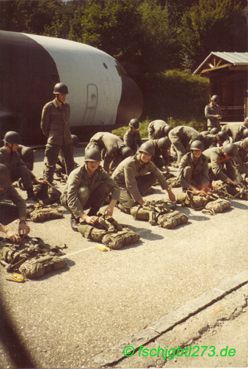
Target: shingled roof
(222, 59)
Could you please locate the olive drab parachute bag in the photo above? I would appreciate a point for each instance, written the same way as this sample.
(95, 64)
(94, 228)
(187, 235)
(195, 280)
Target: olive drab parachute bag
(196, 202)
(31, 257)
(217, 206)
(109, 232)
(40, 213)
(230, 191)
(159, 212)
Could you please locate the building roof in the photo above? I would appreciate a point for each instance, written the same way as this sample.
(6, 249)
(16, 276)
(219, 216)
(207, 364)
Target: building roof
(222, 59)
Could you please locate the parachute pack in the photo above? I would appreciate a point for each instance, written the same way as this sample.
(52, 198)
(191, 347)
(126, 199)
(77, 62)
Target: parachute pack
(230, 191)
(109, 232)
(31, 257)
(159, 212)
(40, 213)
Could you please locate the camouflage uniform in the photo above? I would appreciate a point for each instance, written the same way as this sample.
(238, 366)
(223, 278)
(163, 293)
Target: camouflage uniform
(221, 168)
(110, 146)
(17, 167)
(132, 139)
(193, 171)
(83, 191)
(55, 126)
(156, 129)
(134, 179)
(181, 138)
(211, 110)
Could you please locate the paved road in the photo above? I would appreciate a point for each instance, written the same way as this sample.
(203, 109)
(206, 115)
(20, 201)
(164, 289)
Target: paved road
(66, 319)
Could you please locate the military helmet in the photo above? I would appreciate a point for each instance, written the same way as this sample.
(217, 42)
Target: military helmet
(197, 145)
(92, 154)
(230, 149)
(148, 148)
(163, 143)
(245, 132)
(222, 135)
(214, 131)
(134, 123)
(12, 137)
(244, 143)
(214, 98)
(246, 120)
(126, 151)
(166, 130)
(60, 88)
(5, 180)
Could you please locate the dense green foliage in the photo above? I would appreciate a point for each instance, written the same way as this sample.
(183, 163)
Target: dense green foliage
(149, 37)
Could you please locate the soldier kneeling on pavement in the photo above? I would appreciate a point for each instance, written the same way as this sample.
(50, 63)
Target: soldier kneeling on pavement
(135, 175)
(193, 170)
(10, 157)
(88, 187)
(10, 212)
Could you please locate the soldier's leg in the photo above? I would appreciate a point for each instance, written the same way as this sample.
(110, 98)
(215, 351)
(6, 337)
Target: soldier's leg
(187, 174)
(125, 201)
(27, 155)
(179, 148)
(68, 157)
(97, 198)
(51, 157)
(145, 182)
(26, 176)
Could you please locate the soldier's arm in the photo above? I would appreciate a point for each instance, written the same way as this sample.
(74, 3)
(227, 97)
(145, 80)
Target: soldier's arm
(208, 115)
(73, 202)
(126, 139)
(19, 202)
(44, 124)
(181, 178)
(217, 169)
(131, 184)
(163, 183)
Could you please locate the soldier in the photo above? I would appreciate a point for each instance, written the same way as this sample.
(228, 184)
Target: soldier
(88, 187)
(241, 157)
(60, 168)
(132, 137)
(213, 113)
(135, 175)
(55, 126)
(113, 150)
(181, 138)
(243, 130)
(8, 213)
(161, 156)
(221, 163)
(158, 129)
(10, 157)
(193, 170)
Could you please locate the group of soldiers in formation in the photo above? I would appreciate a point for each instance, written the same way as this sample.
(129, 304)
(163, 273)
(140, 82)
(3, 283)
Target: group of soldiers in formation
(130, 166)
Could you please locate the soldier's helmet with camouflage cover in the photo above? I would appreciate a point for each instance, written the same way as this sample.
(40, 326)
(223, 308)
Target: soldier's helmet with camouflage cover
(60, 88)
(5, 180)
(164, 143)
(230, 149)
(12, 137)
(134, 123)
(197, 145)
(92, 154)
(147, 148)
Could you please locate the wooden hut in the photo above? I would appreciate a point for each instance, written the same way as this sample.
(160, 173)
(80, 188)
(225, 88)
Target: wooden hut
(228, 75)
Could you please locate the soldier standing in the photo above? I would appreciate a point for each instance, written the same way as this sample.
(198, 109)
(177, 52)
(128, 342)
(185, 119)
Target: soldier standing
(8, 212)
(213, 113)
(135, 175)
(55, 126)
(112, 148)
(193, 170)
(132, 137)
(88, 187)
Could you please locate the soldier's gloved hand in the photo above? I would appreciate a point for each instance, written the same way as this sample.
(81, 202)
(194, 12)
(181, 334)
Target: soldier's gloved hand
(23, 228)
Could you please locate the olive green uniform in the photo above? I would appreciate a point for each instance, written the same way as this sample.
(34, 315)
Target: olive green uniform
(181, 137)
(210, 111)
(8, 212)
(161, 157)
(110, 146)
(83, 191)
(17, 167)
(233, 130)
(132, 139)
(55, 126)
(134, 179)
(193, 171)
(156, 129)
(220, 168)
(241, 159)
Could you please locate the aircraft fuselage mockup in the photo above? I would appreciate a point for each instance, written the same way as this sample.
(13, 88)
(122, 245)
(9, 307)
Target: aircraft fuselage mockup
(101, 95)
